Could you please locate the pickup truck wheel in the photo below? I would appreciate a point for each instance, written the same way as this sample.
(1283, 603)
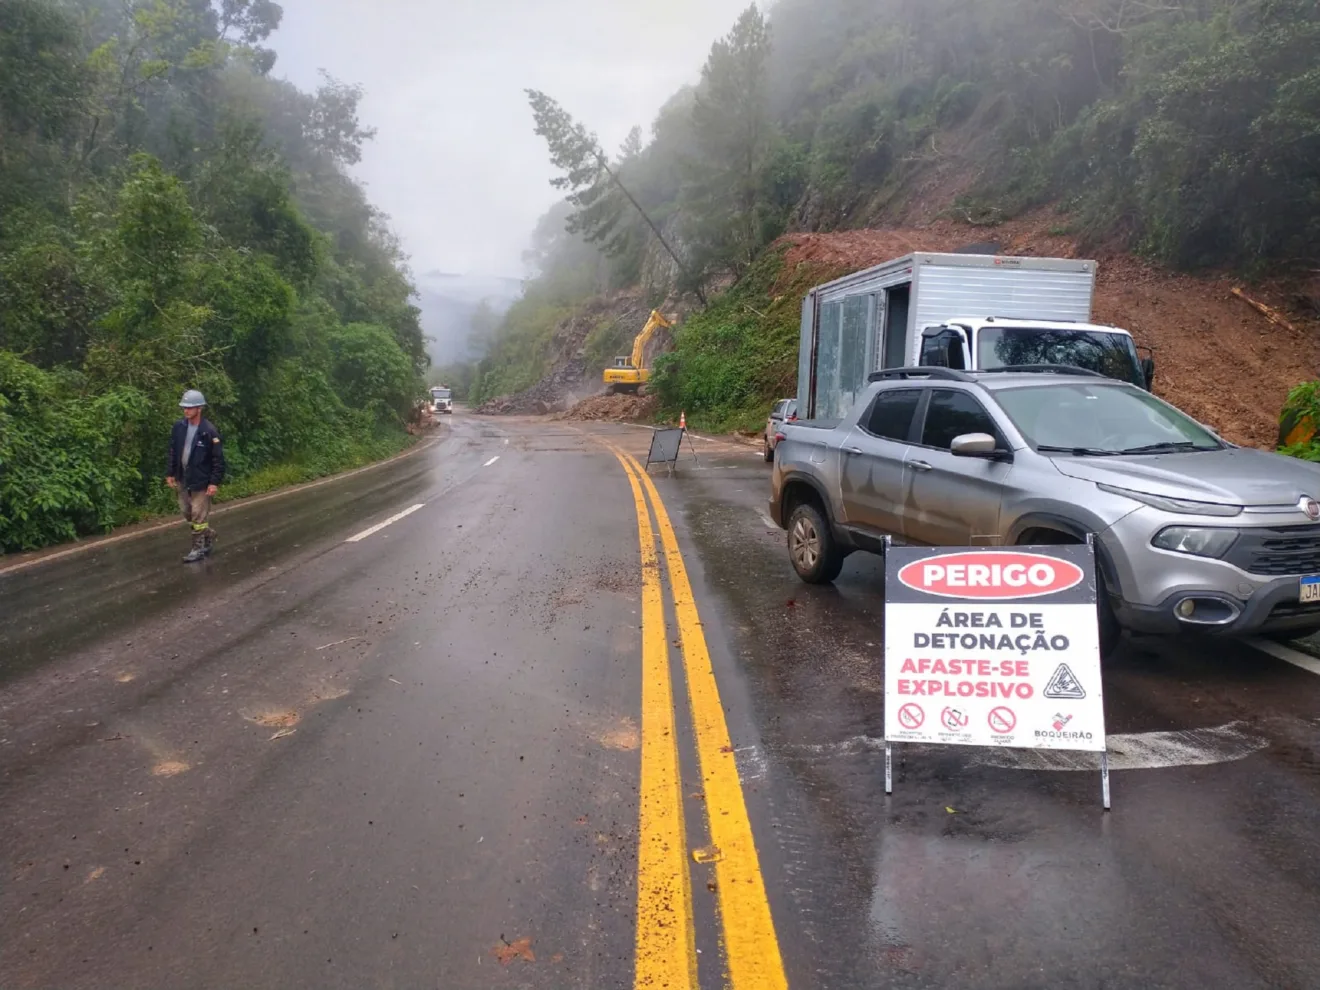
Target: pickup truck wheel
(816, 556)
(769, 452)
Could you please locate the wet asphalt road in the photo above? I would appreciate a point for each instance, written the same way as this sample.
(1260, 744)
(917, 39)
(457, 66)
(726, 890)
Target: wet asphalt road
(412, 760)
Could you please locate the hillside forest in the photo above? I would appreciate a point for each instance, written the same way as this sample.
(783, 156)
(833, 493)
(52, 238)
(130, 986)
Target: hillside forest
(1184, 131)
(173, 217)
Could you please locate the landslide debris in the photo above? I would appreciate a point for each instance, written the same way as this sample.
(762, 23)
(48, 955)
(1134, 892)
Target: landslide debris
(569, 379)
(614, 408)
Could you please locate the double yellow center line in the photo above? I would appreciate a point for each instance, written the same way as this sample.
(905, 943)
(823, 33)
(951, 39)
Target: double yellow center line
(666, 942)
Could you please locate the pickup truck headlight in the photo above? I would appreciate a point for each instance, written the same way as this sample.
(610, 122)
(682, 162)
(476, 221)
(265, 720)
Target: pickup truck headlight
(1200, 541)
(1180, 506)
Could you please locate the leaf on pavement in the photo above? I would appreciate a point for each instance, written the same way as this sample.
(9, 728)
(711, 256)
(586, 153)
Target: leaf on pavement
(281, 734)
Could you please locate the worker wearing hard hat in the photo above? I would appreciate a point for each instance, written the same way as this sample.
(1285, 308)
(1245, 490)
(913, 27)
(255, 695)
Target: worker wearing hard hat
(197, 466)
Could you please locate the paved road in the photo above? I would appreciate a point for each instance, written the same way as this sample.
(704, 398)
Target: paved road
(508, 740)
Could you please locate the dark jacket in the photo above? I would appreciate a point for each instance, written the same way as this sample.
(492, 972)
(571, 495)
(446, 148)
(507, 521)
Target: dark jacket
(206, 464)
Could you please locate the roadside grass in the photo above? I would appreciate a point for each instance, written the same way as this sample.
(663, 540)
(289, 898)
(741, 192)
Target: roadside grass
(297, 472)
(272, 478)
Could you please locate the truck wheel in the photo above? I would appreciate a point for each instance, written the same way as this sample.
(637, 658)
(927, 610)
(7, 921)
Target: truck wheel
(769, 452)
(816, 555)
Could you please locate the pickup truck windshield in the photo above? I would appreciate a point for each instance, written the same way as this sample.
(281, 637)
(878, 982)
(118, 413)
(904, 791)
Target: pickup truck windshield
(441, 393)
(1111, 354)
(1101, 419)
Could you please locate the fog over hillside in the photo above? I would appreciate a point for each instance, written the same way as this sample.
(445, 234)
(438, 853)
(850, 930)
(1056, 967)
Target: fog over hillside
(448, 300)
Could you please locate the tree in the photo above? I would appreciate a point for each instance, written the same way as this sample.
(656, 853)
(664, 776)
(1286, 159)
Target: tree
(170, 218)
(722, 200)
(587, 175)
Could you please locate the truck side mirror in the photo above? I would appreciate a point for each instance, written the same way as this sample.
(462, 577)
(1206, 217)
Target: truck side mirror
(1148, 371)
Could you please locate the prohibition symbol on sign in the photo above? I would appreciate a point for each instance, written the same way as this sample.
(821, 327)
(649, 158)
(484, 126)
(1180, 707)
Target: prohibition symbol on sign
(1064, 685)
(1002, 720)
(911, 716)
(953, 719)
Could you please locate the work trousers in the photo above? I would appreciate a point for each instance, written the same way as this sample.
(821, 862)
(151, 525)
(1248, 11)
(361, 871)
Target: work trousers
(196, 509)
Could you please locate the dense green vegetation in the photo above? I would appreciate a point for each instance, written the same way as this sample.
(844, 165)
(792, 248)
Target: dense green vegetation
(740, 349)
(1188, 130)
(1299, 436)
(171, 217)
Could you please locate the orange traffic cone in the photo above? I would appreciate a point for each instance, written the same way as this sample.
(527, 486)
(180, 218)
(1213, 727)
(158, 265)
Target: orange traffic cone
(682, 420)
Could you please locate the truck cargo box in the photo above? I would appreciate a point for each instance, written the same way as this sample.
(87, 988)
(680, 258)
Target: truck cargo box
(873, 319)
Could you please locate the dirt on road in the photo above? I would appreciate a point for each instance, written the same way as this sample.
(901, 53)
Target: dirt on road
(613, 408)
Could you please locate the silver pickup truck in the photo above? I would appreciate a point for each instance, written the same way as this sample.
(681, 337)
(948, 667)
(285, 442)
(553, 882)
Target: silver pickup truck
(1192, 533)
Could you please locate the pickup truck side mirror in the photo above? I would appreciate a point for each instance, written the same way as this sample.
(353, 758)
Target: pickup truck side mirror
(975, 445)
(1148, 371)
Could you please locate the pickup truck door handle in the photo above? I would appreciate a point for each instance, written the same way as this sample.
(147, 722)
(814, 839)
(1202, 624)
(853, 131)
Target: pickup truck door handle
(852, 450)
(919, 466)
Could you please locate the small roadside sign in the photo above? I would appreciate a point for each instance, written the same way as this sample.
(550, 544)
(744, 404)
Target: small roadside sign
(666, 446)
(1000, 644)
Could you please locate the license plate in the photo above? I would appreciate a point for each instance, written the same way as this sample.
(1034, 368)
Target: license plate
(1311, 589)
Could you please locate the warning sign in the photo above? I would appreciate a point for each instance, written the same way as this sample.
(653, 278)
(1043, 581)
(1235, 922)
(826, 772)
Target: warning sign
(1002, 643)
(911, 716)
(1002, 720)
(953, 719)
(1064, 685)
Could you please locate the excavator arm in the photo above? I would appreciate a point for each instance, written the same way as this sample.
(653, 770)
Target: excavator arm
(630, 374)
(639, 345)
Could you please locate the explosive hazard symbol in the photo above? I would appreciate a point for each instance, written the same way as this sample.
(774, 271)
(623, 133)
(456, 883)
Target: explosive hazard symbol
(1064, 685)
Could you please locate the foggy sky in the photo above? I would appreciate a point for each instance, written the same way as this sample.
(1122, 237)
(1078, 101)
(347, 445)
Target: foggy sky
(455, 162)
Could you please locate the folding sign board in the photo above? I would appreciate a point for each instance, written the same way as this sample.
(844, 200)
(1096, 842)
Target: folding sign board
(993, 646)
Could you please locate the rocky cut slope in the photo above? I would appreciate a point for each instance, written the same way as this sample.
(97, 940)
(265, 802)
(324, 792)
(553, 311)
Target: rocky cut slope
(579, 349)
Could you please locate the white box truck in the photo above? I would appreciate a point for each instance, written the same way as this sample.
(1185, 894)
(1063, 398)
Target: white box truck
(967, 311)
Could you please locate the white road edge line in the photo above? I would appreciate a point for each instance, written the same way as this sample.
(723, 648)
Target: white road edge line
(381, 525)
(1287, 654)
(491, 461)
(96, 543)
(766, 520)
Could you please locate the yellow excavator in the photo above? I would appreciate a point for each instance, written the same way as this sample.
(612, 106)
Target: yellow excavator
(630, 371)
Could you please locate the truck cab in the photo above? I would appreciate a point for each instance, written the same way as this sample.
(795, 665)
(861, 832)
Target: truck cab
(442, 400)
(989, 343)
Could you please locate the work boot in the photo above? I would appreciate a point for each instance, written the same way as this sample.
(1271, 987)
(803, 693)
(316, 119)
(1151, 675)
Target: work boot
(208, 542)
(198, 551)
